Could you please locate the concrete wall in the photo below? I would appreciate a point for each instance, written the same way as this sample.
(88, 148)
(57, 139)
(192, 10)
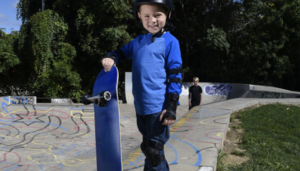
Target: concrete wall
(68, 101)
(128, 87)
(215, 92)
(211, 92)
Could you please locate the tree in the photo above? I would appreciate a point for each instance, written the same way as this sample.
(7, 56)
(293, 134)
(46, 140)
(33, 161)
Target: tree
(246, 41)
(8, 61)
(201, 29)
(46, 57)
(266, 48)
(92, 28)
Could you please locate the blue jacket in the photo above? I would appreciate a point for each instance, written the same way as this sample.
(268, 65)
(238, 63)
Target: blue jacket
(150, 63)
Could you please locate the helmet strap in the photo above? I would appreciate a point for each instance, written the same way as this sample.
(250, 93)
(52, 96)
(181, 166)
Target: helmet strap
(158, 34)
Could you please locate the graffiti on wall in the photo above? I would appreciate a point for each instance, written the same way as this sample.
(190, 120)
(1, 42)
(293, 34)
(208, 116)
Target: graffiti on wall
(217, 89)
(185, 88)
(18, 100)
(22, 100)
(266, 95)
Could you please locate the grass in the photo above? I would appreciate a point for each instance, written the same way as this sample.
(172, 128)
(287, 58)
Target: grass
(238, 153)
(271, 137)
(220, 166)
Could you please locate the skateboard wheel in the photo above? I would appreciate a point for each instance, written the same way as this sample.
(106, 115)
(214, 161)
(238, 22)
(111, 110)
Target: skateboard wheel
(106, 95)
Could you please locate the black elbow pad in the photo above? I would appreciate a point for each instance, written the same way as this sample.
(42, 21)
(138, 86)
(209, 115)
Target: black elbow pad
(176, 71)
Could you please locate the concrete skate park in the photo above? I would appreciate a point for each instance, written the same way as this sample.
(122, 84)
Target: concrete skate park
(60, 136)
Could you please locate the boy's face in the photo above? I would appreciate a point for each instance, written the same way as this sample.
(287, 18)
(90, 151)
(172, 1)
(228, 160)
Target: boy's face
(153, 17)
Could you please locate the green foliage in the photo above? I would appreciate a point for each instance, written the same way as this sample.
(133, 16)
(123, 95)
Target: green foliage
(72, 40)
(43, 48)
(98, 27)
(60, 49)
(265, 46)
(201, 27)
(8, 61)
(8, 58)
(216, 39)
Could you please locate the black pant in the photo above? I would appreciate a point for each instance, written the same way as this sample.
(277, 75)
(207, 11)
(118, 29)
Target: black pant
(192, 106)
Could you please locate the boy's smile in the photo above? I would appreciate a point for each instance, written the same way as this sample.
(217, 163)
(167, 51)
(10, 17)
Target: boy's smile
(153, 18)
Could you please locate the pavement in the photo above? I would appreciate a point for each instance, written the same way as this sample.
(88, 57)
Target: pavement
(51, 137)
(198, 135)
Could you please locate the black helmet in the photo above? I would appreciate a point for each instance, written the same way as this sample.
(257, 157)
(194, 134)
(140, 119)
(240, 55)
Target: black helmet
(165, 3)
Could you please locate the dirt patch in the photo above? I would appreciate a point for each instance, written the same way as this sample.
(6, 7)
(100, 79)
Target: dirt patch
(232, 154)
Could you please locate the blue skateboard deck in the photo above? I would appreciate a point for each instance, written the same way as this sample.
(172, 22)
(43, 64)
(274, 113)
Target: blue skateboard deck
(107, 123)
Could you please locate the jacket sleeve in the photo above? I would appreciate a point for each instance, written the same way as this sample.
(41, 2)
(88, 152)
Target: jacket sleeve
(123, 53)
(174, 67)
(174, 74)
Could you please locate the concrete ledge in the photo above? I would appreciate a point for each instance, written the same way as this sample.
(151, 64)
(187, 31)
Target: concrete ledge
(216, 92)
(218, 122)
(8, 100)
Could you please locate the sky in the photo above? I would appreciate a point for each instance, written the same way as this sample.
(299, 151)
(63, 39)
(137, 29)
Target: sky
(8, 15)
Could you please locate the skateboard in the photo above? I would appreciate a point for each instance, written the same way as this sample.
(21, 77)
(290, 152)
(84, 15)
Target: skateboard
(107, 120)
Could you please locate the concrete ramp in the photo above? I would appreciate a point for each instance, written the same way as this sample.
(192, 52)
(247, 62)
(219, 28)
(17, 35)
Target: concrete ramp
(212, 92)
(216, 92)
(51, 137)
(258, 91)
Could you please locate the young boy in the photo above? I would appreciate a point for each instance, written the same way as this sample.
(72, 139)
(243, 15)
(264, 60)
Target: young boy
(195, 94)
(156, 78)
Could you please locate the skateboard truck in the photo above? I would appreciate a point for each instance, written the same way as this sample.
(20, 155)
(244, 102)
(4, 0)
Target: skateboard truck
(100, 100)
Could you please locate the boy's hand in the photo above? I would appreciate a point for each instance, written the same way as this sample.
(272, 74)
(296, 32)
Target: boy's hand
(167, 121)
(107, 63)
